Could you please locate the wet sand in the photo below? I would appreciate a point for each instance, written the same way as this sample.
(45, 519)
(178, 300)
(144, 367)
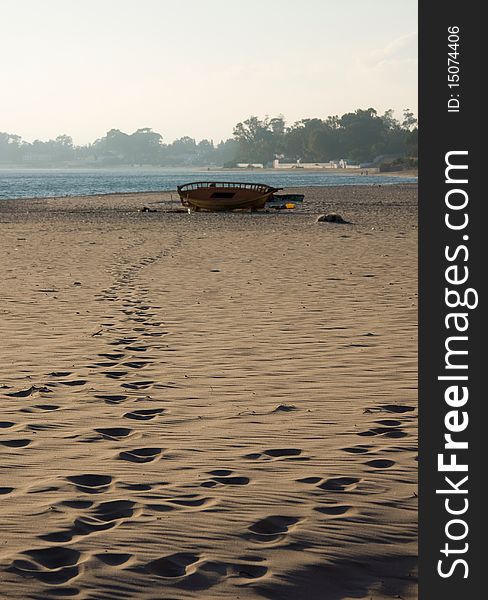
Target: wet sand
(209, 405)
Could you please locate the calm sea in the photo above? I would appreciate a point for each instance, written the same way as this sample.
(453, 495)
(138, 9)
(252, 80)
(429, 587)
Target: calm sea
(40, 183)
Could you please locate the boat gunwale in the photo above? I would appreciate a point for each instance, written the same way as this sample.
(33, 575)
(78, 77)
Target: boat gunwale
(258, 187)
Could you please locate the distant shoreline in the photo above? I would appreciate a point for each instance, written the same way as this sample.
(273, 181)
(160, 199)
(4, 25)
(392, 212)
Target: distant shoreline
(213, 169)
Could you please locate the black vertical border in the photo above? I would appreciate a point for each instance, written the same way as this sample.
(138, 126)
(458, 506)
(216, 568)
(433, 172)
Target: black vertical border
(441, 132)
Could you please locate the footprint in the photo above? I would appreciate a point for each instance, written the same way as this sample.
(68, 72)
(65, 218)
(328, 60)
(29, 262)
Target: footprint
(380, 463)
(137, 364)
(388, 432)
(140, 455)
(113, 559)
(114, 374)
(334, 511)
(60, 373)
(225, 477)
(114, 510)
(367, 433)
(90, 483)
(272, 528)
(34, 389)
(155, 334)
(339, 484)
(190, 502)
(397, 408)
(55, 565)
(102, 517)
(232, 480)
(22, 443)
(173, 566)
(77, 504)
(136, 487)
(160, 507)
(252, 558)
(310, 480)
(123, 341)
(112, 398)
(248, 571)
(114, 433)
(357, 449)
(112, 355)
(283, 452)
(389, 422)
(137, 385)
(144, 414)
(395, 433)
(73, 383)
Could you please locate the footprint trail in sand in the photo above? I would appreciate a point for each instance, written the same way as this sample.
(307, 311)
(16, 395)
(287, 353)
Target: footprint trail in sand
(191, 420)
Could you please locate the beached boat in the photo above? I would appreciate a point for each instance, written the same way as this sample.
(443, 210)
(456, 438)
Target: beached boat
(225, 195)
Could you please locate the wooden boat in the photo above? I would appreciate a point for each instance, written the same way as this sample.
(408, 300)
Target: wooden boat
(225, 195)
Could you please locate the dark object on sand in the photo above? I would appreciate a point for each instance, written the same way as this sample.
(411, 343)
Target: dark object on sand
(227, 195)
(282, 201)
(286, 198)
(147, 209)
(332, 218)
(285, 408)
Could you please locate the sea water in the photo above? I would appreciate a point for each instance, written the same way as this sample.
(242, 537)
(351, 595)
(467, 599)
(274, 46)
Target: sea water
(41, 183)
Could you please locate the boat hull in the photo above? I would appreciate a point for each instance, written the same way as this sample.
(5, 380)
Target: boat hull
(224, 197)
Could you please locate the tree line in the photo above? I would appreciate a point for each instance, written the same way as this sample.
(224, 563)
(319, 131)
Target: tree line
(361, 136)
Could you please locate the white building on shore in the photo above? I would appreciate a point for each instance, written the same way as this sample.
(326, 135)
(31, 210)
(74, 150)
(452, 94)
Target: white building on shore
(332, 164)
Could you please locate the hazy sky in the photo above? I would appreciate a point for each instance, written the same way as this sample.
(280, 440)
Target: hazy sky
(197, 67)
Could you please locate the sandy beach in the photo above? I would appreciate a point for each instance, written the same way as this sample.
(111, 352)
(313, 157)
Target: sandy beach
(217, 406)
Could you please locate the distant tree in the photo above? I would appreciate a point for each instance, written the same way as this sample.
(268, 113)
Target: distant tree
(144, 147)
(205, 152)
(11, 148)
(393, 137)
(64, 140)
(226, 153)
(409, 120)
(114, 144)
(256, 139)
(325, 144)
(184, 145)
(363, 134)
(183, 151)
(278, 128)
(313, 140)
(296, 141)
(205, 146)
(62, 148)
(412, 143)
